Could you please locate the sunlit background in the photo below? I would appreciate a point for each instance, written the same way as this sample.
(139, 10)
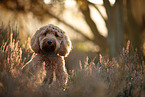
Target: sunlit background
(108, 48)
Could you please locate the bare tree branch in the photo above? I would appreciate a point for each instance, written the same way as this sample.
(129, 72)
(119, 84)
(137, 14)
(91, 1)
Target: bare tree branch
(98, 10)
(99, 39)
(107, 5)
(65, 23)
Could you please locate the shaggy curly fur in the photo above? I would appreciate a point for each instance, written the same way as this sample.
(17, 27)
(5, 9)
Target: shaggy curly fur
(51, 45)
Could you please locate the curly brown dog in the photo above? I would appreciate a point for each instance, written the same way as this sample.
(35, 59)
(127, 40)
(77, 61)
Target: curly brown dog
(51, 45)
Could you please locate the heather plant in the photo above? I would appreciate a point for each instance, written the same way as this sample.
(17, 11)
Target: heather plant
(6, 32)
(122, 76)
(12, 58)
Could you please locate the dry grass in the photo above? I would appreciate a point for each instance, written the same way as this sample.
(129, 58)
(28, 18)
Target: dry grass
(123, 76)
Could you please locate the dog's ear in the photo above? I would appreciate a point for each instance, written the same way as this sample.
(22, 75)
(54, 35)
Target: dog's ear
(35, 42)
(65, 46)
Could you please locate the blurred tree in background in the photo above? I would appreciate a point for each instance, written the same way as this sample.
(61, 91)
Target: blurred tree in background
(125, 20)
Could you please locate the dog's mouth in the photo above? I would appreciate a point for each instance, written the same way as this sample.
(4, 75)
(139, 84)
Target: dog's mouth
(48, 49)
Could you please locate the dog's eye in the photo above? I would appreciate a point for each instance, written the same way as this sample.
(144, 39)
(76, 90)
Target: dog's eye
(56, 35)
(45, 34)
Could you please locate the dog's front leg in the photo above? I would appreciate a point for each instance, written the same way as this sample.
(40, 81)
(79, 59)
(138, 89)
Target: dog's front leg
(49, 74)
(61, 74)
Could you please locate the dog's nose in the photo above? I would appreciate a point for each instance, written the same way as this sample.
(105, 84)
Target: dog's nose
(49, 42)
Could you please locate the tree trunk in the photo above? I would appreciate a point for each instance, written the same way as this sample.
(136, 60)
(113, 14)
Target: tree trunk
(120, 25)
(111, 27)
(133, 29)
(115, 26)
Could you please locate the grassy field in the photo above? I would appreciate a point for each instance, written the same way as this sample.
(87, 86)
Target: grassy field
(122, 76)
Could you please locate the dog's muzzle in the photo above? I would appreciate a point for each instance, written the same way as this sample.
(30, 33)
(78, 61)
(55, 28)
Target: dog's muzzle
(49, 46)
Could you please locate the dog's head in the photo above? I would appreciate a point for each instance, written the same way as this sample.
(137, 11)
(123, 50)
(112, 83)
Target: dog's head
(51, 40)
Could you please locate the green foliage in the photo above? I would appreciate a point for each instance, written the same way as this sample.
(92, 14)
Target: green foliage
(123, 76)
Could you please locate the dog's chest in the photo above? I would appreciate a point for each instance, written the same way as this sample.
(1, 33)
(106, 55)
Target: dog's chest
(50, 63)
